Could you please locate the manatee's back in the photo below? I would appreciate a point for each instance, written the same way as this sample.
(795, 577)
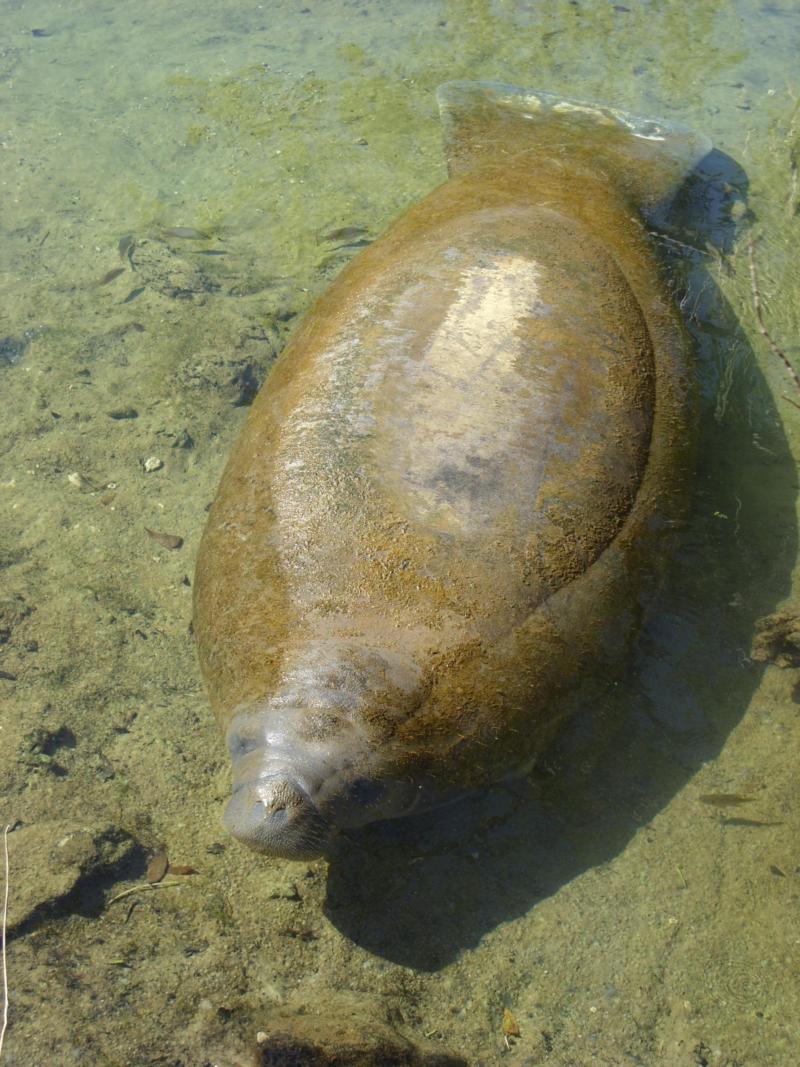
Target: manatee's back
(484, 409)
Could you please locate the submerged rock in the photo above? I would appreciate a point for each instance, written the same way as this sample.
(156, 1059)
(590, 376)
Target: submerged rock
(347, 1035)
(777, 639)
(12, 349)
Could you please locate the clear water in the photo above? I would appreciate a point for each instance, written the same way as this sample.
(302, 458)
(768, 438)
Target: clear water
(620, 918)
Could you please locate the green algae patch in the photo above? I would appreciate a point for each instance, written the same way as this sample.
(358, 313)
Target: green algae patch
(252, 103)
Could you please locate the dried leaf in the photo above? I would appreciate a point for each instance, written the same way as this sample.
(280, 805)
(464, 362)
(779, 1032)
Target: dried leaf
(158, 866)
(165, 539)
(510, 1024)
(181, 870)
(81, 482)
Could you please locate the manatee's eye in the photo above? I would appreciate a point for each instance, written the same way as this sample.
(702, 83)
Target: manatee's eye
(366, 792)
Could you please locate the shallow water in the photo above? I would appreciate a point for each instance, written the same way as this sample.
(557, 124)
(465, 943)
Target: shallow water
(618, 915)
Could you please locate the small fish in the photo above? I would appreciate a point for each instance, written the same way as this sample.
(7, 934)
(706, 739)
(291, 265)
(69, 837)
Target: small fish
(726, 800)
(133, 294)
(188, 233)
(126, 246)
(109, 276)
(749, 822)
(355, 244)
(344, 233)
(165, 539)
(209, 252)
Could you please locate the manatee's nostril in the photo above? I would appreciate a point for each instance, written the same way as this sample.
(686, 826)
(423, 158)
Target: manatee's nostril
(275, 815)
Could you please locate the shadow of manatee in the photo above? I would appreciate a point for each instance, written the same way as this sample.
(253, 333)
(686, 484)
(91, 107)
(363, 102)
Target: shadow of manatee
(420, 890)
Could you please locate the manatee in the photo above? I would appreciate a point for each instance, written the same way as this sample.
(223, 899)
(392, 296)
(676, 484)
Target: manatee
(449, 506)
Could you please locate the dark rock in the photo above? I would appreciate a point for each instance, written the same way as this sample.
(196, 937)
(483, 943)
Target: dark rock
(12, 349)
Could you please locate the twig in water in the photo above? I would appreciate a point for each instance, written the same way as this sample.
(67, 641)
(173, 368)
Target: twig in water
(793, 199)
(757, 306)
(145, 888)
(4, 925)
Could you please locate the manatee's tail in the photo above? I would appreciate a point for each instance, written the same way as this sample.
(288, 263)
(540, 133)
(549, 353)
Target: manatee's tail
(487, 123)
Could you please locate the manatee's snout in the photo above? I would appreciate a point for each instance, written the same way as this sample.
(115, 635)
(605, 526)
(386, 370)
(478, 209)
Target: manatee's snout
(274, 814)
(300, 777)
